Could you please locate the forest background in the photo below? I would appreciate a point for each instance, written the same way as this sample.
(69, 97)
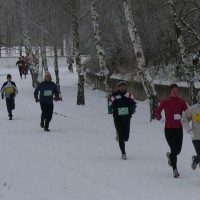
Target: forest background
(145, 40)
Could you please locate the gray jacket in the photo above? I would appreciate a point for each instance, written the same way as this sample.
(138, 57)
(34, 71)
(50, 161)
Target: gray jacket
(10, 90)
(192, 114)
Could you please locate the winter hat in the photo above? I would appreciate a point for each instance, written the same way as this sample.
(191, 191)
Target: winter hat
(198, 97)
(174, 85)
(47, 74)
(9, 76)
(121, 82)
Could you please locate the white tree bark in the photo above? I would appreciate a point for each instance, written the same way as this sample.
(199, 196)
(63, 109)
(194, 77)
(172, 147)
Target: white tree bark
(20, 50)
(40, 73)
(29, 54)
(100, 50)
(79, 68)
(57, 71)
(139, 54)
(189, 77)
(43, 54)
(36, 63)
(64, 46)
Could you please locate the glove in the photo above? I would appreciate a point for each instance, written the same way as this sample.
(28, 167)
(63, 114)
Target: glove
(2, 96)
(162, 120)
(37, 100)
(12, 96)
(134, 108)
(56, 99)
(110, 110)
(191, 133)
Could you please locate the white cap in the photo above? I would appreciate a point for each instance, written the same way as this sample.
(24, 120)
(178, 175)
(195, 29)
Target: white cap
(47, 74)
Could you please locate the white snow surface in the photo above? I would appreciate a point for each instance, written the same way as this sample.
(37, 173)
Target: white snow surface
(79, 159)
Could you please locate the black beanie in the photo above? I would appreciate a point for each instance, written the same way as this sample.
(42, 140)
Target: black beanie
(174, 85)
(9, 76)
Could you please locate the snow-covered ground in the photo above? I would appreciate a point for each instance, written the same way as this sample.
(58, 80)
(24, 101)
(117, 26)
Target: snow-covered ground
(79, 158)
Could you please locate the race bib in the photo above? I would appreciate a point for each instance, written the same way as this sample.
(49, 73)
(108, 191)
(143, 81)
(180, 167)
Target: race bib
(47, 93)
(177, 117)
(20, 64)
(123, 111)
(9, 90)
(197, 117)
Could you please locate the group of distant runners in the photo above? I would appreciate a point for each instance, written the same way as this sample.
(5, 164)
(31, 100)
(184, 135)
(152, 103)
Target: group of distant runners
(23, 66)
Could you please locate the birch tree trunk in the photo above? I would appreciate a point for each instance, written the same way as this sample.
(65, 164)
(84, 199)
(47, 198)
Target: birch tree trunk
(20, 50)
(29, 54)
(195, 78)
(79, 67)
(40, 73)
(57, 71)
(64, 46)
(43, 54)
(189, 77)
(36, 63)
(100, 51)
(139, 54)
(192, 90)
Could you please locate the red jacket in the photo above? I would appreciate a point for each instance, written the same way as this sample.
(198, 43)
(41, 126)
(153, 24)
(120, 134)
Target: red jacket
(173, 107)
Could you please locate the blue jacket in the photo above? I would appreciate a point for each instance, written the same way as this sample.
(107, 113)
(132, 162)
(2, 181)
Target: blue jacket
(46, 90)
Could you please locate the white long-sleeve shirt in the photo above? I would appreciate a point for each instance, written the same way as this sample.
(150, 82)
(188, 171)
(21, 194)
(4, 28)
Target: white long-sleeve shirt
(192, 114)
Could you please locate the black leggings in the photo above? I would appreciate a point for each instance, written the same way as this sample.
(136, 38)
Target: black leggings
(196, 144)
(20, 71)
(47, 112)
(122, 126)
(10, 103)
(174, 137)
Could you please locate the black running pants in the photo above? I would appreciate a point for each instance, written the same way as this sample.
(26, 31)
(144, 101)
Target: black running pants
(47, 113)
(10, 103)
(122, 126)
(174, 137)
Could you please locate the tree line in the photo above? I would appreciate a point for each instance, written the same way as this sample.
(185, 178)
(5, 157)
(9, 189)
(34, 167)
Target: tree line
(145, 39)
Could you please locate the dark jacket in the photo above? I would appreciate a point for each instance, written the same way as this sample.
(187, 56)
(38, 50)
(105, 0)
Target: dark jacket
(121, 105)
(46, 90)
(20, 63)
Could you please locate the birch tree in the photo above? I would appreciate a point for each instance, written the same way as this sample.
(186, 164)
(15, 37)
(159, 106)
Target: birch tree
(189, 77)
(79, 67)
(57, 71)
(141, 66)
(43, 54)
(29, 54)
(53, 35)
(100, 50)
(24, 6)
(36, 64)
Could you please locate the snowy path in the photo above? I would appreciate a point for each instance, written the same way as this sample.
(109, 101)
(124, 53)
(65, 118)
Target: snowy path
(80, 159)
